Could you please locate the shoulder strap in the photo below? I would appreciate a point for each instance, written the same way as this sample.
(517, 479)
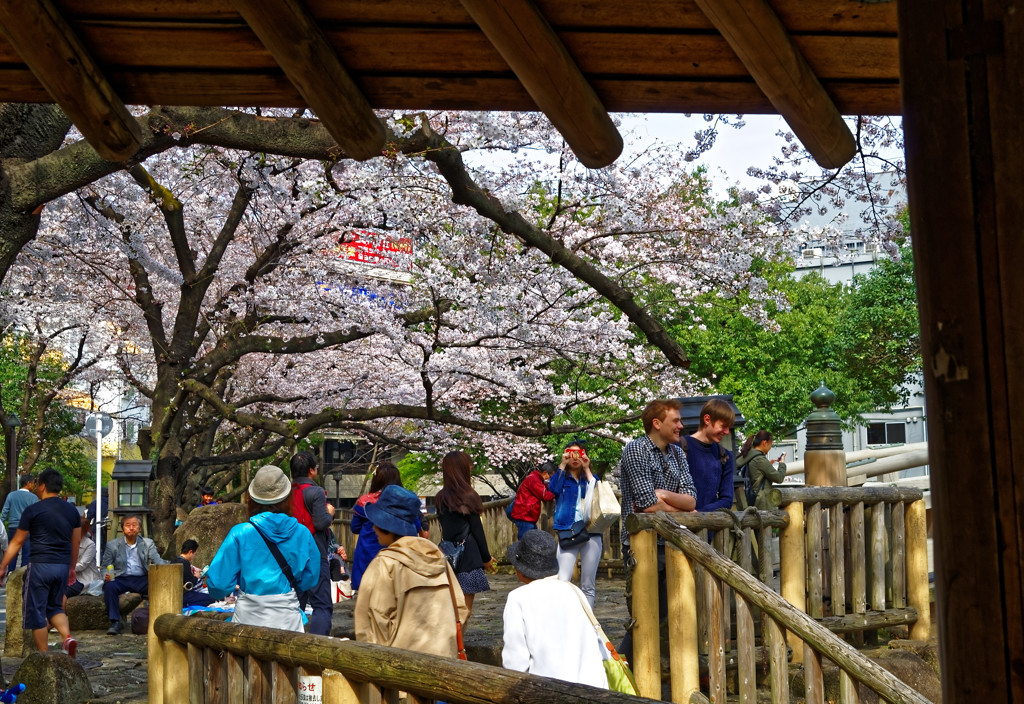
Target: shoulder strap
(276, 552)
(458, 623)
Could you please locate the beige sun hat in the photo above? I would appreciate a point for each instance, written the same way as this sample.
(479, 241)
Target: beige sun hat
(270, 485)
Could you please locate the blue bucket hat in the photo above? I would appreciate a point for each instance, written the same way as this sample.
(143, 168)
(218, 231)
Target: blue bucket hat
(395, 511)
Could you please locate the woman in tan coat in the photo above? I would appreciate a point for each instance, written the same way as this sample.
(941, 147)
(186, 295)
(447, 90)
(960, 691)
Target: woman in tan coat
(408, 594)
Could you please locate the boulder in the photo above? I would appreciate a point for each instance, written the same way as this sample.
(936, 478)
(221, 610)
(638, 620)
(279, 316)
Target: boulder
(52, 677)
(17, 641)
(906, 664)
(208, 526)
(89, 613)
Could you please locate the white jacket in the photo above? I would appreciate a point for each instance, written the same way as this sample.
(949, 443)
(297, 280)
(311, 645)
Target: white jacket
(548, 633)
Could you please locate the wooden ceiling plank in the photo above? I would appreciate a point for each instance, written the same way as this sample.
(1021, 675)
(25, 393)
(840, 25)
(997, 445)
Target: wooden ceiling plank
(291, 34)
(762, 43)
(61, 63)
(544, 66)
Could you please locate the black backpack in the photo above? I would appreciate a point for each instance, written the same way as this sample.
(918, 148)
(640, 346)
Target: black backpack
(748, 485)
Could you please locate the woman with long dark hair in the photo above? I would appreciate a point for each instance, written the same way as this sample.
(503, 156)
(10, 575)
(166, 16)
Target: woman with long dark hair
(367, 545)
(762, 475)
(458, 510)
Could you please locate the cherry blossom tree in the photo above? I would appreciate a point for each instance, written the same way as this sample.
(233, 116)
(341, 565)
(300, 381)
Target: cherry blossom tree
(532, 293)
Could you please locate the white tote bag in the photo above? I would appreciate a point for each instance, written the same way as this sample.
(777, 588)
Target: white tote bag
(604, 508)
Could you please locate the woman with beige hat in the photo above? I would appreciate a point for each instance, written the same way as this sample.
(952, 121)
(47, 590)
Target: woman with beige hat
(269, 558)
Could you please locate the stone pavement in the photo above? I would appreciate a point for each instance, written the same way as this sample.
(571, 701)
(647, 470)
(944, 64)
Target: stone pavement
(116, 666)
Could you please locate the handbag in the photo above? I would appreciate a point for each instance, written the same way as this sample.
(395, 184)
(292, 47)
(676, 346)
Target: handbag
(454, 549)
(577, 535)
(604, 508)
(620, 677)
(453, 552)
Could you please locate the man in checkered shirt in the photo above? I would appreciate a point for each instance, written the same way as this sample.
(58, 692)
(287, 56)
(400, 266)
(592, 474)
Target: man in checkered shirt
(653, 476)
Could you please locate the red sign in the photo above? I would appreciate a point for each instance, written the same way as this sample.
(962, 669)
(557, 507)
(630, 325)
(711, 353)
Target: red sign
(374, 249)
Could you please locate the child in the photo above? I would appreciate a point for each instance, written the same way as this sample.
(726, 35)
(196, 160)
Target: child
(406, 596)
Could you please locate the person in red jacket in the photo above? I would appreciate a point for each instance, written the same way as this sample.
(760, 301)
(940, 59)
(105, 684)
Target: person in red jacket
(532, 491)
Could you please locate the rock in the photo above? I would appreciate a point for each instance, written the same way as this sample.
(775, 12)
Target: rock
(17, 641)
(52, 677)
(89, 613)
(208, 526)
(907, 665)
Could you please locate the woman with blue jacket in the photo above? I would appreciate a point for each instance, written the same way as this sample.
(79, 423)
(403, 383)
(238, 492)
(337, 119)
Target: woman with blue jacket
(245, 559)
(573, 485)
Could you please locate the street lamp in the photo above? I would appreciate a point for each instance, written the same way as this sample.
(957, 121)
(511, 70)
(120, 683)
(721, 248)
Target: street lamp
(11, 425)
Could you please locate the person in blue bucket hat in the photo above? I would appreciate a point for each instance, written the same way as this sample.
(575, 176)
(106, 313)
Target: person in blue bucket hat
(409, 593)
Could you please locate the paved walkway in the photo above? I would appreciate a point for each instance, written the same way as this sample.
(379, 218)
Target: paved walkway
(116, 666)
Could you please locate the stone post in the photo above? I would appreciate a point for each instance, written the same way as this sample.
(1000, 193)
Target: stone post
(824, 458)
(17, 641)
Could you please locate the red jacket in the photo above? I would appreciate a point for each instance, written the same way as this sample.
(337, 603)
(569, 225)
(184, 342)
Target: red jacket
(531, 492)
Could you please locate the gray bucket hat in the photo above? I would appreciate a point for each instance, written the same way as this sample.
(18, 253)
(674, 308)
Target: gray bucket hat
(534, 554)
(269, 486)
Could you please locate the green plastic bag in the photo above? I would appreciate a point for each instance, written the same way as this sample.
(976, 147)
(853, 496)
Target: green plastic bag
(620, 677)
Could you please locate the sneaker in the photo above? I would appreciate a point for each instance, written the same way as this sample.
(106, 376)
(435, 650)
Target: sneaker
(70, 647)
(115, 629)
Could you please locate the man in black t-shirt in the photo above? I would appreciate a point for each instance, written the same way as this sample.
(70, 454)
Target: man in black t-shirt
(190, 575)
(55, 529)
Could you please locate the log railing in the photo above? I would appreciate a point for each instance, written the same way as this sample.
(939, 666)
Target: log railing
(207, 661)
(695, 573)
(862, 553)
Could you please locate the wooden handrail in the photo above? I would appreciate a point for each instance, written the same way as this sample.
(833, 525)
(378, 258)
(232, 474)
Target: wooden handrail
(832, 495)
(810, 631)
(428, 676)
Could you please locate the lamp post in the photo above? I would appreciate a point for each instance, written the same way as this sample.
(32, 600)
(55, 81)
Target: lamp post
(11, 425)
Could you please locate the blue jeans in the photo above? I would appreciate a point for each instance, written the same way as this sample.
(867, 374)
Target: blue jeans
(319, 597)
(523, 527)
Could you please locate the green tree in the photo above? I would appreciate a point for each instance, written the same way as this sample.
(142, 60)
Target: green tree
(32, 375)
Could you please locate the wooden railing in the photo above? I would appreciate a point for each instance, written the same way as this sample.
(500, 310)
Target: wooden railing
(702, 582)
(862, 553)
(206, 661)
(500, 531)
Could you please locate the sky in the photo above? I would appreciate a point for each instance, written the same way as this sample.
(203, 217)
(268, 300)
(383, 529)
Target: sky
(734, 149)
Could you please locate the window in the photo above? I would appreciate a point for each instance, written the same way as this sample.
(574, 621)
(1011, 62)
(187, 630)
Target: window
(887, 433)
(131, 492)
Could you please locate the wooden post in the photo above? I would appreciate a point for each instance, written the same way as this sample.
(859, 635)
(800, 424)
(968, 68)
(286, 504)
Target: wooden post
(858, 559)
(793, 565)
(847, 689)
(917, 569)
(745, 657)
(165, 595)
(682, 625)
(899, 565)
(216, 676)
(197, 683)
(814, 680)
(256, 689)
(815, 605)
(234, 665)
(878, 557)
(646, 633)
(837, 556)
(716, 637)
(339, 689)
(779, 664)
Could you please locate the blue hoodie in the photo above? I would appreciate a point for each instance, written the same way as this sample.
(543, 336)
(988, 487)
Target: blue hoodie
(245, 560)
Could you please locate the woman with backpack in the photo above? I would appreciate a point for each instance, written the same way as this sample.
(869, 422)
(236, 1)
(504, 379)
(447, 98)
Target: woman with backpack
(368, 546)
(754, 455)
(458, 511)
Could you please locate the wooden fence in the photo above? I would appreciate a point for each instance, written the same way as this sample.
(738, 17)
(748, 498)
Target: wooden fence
(714, 601)
(207, 661)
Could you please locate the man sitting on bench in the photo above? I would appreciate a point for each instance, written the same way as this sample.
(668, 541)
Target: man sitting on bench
(131, 557)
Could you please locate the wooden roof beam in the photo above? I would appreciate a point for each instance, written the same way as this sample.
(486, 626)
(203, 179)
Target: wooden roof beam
(61, 63)
(529, 45)
(762, 43)
(291, 34)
